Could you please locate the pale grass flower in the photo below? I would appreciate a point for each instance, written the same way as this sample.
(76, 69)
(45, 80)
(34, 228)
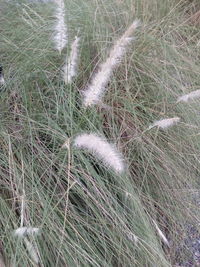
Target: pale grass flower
(70, 68)
(2, 80)
(100, 148)
(190, 96)
(93, 93)
(60, 30)
(165, 123)
(23, 231)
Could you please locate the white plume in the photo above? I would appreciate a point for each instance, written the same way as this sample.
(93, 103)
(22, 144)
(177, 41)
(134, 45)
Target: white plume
(2, 81)
(60, 36)
(101, 149)
(99, 80)
(165, 123)
(70, 68)
(190, 96)
(32, 251)
(22, 231)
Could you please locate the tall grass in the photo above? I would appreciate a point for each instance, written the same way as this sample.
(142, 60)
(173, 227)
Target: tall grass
(88, 215)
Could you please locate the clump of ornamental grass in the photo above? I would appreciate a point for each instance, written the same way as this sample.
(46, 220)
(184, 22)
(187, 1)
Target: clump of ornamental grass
(94, 223)
(100, 148)
(71, 65)
(95, 90)
(60, 36)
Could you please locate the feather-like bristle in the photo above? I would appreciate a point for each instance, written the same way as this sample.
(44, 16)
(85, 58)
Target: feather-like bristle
(60, 31)
(100, 148)
(94, 92)
(165, 123)
(190, 96)
(70, 68)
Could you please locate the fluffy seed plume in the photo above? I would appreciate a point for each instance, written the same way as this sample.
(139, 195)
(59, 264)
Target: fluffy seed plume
(166, 123)
(161, 234)
(99, 81)
(70, 68)
(60, 36)
(2, 81)
(23, 231)
(190, 96)
(101, 149)
(32, 251)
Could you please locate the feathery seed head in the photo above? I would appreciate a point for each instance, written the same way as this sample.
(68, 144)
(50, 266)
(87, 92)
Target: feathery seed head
(23, 231)
(101, 149)
(165, 123)
(70, 68)
(2, 80)
(60, 37)
(99, 81)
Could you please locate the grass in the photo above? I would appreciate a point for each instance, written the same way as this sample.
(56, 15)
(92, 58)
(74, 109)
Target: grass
(88, 215)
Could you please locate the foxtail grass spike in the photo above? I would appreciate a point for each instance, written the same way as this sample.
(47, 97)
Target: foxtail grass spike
(165, 123)
(70, 68)
(60, 31)
(100, 148)
(23, 231)
(94, 92)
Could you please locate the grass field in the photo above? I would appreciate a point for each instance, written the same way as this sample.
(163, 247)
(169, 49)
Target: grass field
(87, 214)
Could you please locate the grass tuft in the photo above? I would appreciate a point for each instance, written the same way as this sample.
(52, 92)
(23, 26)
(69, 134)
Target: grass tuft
(88, 215)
